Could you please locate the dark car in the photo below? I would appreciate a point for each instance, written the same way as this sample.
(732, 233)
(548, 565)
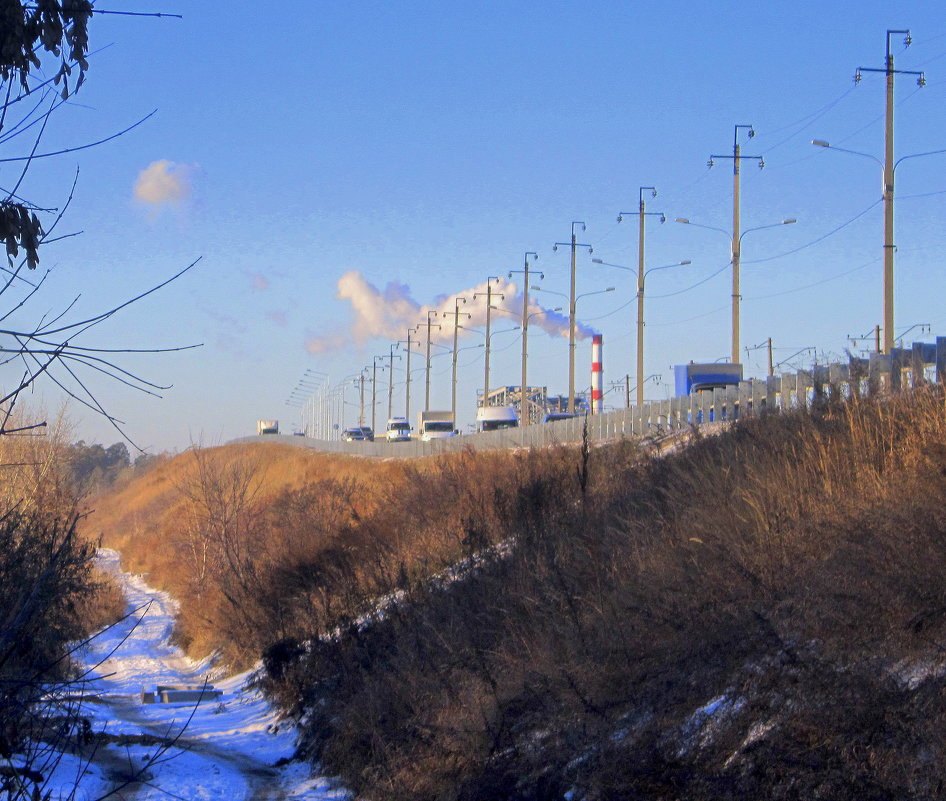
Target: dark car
(551, 417)
(367, 433)
(353, 435)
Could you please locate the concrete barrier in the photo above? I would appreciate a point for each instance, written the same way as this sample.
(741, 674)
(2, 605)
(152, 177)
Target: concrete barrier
(181, 694)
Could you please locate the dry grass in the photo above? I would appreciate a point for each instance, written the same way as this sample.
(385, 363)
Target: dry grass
(268, 543)
(792, 567)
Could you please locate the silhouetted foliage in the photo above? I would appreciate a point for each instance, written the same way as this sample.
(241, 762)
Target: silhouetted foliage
(95, 465)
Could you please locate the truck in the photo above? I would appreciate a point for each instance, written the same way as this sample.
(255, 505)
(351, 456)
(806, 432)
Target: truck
(693, 377)
(267, 427)
(494, 418)
(435, 425)
(398, 430)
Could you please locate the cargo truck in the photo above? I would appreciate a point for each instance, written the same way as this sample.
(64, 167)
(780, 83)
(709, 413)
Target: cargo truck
(493, 418)
(693, 377)
(435, 425)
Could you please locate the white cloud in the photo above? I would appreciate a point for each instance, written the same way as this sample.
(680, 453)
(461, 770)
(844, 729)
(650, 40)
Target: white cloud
(164, 183)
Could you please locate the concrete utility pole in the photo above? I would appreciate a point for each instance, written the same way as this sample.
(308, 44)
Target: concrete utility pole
(889, 167)
(456, 331)
(574, 244)
(374, 389)
(407, 383)
(427, 387)
(736, 158)
(361, 395)
(525, 416)
(489, 308)
(641, 213)
(391, 357)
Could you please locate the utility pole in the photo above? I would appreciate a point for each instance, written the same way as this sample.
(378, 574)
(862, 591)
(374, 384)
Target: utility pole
(771, 364)
(407, 384)
(627, 391)
(361, 393)
(374, 389)
(571, 314)
(489, 309)
(525, 416)
(390, 357)
(427, 387)
(889, 166)
(456, 331)
(736, 158)
(641, 213)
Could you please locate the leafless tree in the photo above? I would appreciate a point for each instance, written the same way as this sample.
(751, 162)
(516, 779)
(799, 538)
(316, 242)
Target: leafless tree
(40, 39)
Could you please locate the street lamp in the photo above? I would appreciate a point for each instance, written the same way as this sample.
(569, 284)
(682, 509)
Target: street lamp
(435, 313)
(736, 254)
(524, 416)
(489, 308)
(456, 329)
(641, 275)
(574, 244)
(489, 336)
(890, 168)
(374, 389)
(573, 305)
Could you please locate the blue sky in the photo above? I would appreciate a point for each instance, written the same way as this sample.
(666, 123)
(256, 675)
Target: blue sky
(418, 148)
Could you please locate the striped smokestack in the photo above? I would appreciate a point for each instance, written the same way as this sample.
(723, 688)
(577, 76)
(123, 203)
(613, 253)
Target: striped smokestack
(597, 375)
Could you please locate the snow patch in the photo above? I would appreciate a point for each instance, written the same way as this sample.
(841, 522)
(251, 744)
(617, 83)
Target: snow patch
(227, 749)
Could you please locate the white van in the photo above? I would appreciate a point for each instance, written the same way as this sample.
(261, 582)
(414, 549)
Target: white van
(494, 418)
(398, 430)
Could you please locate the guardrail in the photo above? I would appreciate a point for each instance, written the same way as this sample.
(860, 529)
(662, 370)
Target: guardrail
(904, 367)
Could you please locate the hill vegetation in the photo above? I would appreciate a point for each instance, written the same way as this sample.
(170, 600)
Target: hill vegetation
(759, 615)
(51, 595)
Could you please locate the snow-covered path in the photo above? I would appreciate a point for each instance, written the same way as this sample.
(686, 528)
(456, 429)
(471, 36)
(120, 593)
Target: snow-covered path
(224, 749)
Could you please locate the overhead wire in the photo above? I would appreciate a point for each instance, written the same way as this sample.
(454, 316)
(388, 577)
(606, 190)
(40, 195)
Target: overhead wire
(832, 232)
(815, 283)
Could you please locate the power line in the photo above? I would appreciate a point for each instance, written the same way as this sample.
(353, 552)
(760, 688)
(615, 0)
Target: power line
(690, 319)
(694, 286)
(816, 283)
(815, 241)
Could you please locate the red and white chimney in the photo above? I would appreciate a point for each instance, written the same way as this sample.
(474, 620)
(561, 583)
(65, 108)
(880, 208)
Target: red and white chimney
(597, 375)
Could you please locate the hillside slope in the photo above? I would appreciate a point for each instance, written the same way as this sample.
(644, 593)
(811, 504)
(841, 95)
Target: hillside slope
(260, 542)
(759, 615)
(762, 615)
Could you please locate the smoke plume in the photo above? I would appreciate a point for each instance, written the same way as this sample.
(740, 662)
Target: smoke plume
(389, 313)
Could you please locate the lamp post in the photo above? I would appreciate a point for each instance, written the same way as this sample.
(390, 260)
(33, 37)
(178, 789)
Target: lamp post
(486, 344)
(427, 383)
(489, 308)
(374, 388)
(736, 251)
(456, 329)
(737, 158)
(524, 416)
(574, 244)
(407, 383)
(890, 168)
(391, 357)
(642, 214)
(361, 397)
(641, 276)
(573, 303)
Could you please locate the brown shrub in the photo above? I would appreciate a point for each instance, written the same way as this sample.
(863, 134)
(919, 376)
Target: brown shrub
(791, 568)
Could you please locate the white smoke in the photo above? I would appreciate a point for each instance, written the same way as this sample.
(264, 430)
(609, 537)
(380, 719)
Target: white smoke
(388, 314)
